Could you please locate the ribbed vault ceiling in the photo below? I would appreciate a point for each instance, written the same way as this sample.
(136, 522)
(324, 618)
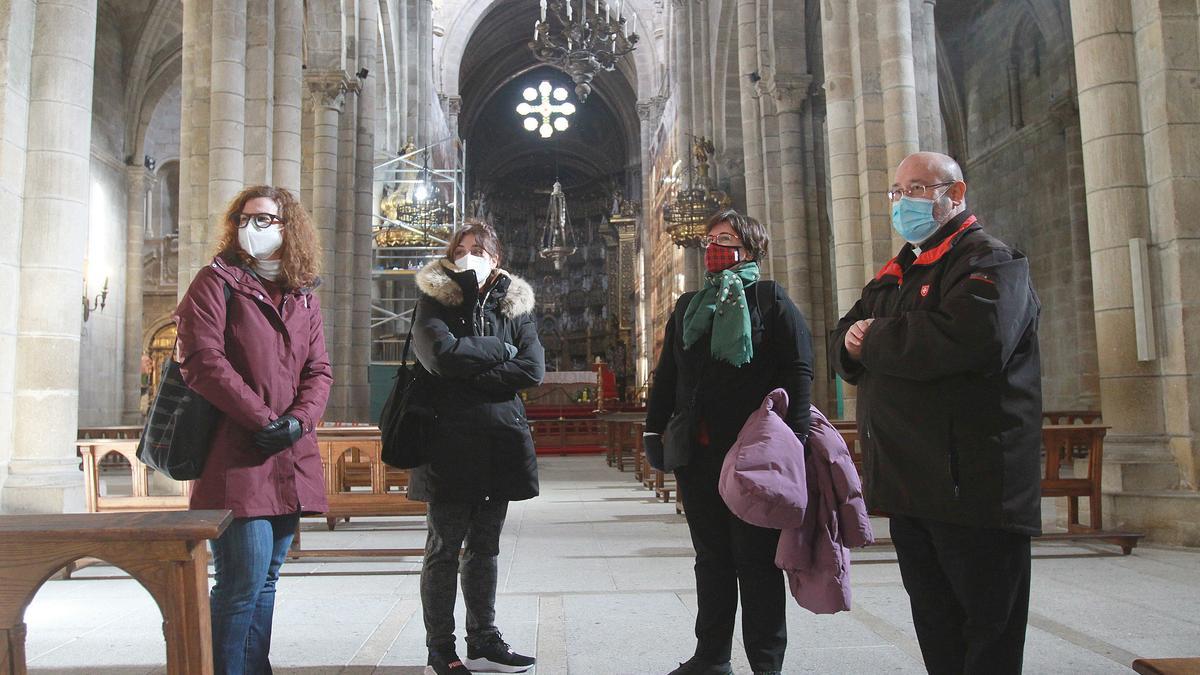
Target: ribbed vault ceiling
(497, 65)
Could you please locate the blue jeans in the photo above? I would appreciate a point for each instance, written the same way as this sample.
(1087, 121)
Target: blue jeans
(246, 560)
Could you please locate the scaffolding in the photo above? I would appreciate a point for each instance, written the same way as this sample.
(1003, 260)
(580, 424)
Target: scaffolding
(403, 244)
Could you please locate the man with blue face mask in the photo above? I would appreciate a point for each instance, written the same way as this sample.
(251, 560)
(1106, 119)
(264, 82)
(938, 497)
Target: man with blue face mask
(943, 349)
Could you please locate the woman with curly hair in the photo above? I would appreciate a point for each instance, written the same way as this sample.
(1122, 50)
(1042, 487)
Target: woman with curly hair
(251, 342)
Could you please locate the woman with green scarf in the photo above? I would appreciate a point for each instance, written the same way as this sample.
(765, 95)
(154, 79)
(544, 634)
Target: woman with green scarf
(727, 346)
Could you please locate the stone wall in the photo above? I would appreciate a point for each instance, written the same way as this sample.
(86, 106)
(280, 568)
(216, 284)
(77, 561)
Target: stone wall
(100, 351)
(1016, 165)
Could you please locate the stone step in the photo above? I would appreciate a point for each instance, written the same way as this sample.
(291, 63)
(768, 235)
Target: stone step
(1140, 475)
(1164, 516)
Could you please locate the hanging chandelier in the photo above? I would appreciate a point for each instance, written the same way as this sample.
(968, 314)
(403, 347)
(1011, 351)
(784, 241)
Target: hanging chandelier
(696, 200)
(545, 109)
(558, 242)
(581, 42)
(419, 214)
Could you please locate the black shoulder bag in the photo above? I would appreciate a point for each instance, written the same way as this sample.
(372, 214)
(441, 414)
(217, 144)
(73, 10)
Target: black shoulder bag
(179, 426)
(408, 419)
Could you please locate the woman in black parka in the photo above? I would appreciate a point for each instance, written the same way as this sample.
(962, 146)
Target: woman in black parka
(726, 347)
(475, 333)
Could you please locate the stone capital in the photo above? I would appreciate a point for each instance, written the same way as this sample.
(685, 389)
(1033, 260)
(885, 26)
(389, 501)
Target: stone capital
(791, 94)
(329, 89)
(139, 179)
(454, 105)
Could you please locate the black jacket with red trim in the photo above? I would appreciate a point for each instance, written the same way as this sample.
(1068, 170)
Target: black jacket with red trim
(949, 385)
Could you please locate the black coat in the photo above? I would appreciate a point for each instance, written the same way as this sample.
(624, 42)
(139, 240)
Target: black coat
(726, 395)
(481, 448)
(949, 386)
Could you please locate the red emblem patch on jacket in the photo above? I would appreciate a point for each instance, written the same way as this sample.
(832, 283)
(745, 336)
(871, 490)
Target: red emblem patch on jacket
(925, 290)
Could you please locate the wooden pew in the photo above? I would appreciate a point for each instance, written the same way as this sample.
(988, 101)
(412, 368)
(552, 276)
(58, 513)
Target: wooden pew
(357, 483)
(164, 551)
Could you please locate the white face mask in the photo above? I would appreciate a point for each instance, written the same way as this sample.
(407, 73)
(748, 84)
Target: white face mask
(479, 264)
(260, 244)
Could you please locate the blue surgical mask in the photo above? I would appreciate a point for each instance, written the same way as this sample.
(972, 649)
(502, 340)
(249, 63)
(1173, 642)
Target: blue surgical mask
(912, 218)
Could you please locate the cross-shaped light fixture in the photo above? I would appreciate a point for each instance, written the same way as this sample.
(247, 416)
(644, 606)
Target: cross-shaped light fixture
(546, 110)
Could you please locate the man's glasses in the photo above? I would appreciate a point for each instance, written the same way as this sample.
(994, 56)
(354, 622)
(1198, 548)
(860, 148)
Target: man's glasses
(918, 191)
(260, 221)
(723, 239)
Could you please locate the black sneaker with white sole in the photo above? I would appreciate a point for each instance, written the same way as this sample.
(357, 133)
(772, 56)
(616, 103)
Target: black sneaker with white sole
(495, 656)
(445, 662)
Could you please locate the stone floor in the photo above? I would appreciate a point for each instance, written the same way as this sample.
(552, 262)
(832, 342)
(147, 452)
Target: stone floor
(596, 578)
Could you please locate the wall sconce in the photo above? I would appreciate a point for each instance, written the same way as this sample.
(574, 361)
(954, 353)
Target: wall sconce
(95, 304)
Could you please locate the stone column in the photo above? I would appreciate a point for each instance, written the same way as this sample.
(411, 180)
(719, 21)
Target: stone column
(874, 173)
(789, 98)
(752, 148)
(259, 91)
(289, 94)
(194, 245)
(1114, 166)
(364, 208)
(328, 93)
(226, 168)
(850, 274)
(453, 110)
(843, 155)
(14, 134)
(42, 474)
(411, 81)
(1166, 41)
(820, 269)
(931, 129)
(340, 295)
(1066, 114)
(425, 69)
(139, 182)
(649, 113)
(895, 31)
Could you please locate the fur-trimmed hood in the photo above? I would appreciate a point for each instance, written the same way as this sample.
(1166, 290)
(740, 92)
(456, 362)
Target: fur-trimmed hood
(434, 280)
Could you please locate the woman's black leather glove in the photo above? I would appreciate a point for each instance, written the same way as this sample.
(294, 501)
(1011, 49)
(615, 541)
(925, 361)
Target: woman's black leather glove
(653, 447)
(279, 434)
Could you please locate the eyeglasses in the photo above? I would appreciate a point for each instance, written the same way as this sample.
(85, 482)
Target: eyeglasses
(918, 191)
(260, 221)
(723, 239)
(475, 250)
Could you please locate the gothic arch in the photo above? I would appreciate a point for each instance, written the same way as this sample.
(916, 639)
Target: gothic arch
(149, 61)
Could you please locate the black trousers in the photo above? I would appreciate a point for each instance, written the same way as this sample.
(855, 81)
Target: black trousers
(732, 558)
(969, 589)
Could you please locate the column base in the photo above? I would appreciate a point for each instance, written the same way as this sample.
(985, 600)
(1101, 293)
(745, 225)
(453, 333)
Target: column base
(48, 486)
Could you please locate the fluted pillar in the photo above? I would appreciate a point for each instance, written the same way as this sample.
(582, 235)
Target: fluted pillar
(42, 473)
(289, 94)
(1115, 170)
(138, 182)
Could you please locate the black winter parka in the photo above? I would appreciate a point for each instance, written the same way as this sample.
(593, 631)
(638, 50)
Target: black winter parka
(949, 385)
(726, 395)
(482, 448)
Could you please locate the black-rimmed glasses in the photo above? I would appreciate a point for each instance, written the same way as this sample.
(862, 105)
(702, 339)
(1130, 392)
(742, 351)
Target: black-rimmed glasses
(260, 221)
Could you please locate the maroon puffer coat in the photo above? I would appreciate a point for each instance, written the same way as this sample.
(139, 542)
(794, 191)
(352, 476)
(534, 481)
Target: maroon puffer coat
(255, 362)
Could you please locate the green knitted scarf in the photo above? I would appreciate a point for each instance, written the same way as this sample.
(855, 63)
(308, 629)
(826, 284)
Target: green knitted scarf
(720, 306)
